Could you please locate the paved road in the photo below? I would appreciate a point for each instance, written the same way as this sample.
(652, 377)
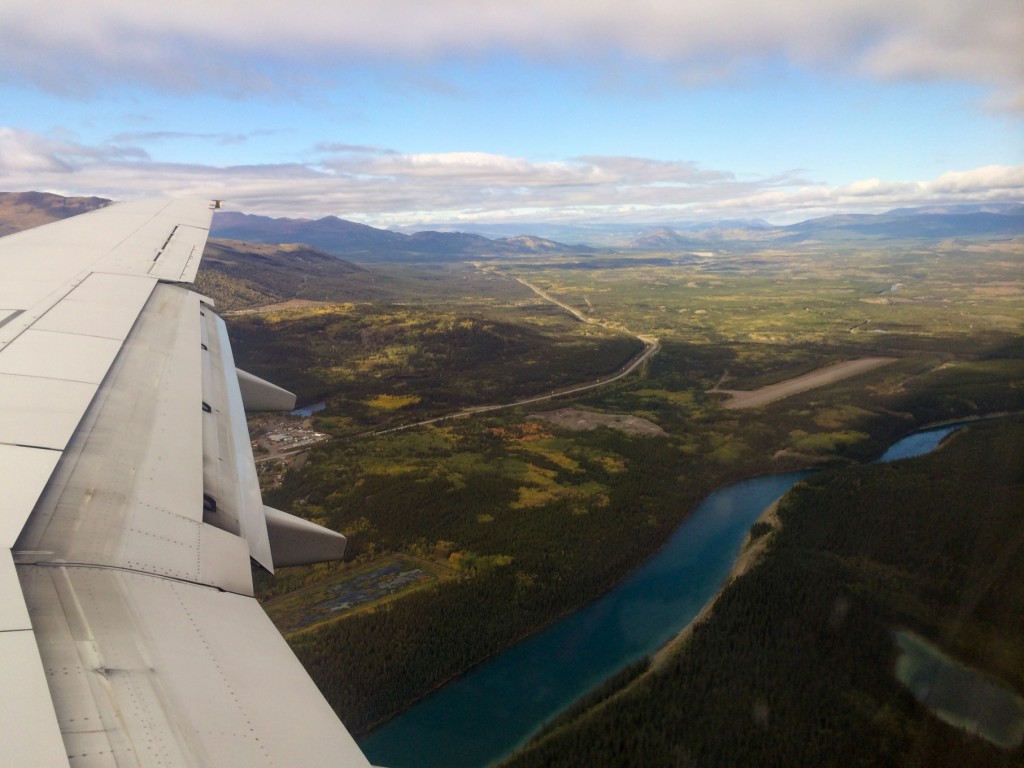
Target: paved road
(548, 297)
(650, 349)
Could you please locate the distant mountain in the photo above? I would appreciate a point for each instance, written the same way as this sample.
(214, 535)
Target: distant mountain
(576, 236)
(439, 243)
(661, 239)
(958, 208)
(345, 238)
(341, 238)
(23, 210)
(910, 223)
(933, 222)
(950, 220)
(326, 233)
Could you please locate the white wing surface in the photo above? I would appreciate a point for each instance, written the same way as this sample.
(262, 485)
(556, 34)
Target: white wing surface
(130, 514)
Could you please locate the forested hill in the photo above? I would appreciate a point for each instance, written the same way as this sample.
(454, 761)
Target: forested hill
(241, 275)
(23, 210)
(347, 238)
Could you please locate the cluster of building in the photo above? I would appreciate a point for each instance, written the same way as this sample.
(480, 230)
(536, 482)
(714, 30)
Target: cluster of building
(283, 435)
(277, 442)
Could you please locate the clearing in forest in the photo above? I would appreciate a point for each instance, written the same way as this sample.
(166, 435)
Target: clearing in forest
(576, 419)
(828, 375)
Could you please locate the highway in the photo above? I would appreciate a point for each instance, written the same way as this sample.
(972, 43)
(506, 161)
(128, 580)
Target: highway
(651, 347)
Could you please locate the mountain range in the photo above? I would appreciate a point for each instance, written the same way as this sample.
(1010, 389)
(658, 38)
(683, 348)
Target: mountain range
(346, 238)
(339, 237)
(22, 210)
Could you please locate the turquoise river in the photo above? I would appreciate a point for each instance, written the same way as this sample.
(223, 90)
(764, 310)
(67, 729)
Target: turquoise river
(487, 713)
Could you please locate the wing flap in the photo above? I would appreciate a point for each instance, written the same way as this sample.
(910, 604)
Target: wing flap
(129, 492)
(29, 714)
(294, 541)
(141, 647)
(228, 469)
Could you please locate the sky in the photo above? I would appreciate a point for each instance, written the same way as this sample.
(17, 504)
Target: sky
(406, 113)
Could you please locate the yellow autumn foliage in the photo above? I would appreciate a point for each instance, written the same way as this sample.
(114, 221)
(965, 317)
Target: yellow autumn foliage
(392, 402)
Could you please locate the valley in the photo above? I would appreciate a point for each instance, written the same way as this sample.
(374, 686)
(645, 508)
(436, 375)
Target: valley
(505, 434)
(531, 518)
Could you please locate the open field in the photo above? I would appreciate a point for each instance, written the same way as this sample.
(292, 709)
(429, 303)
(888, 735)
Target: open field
(351, 590)
(576, 419)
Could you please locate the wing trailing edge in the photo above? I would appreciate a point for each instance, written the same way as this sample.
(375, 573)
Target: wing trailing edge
(232, 499)
(260, 395)
(295, 541)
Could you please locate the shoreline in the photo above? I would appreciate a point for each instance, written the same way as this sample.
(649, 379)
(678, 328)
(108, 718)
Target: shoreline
(751, 551)
(749, 555)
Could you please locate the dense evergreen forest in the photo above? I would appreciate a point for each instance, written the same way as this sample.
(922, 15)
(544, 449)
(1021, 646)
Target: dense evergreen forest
(522, 563)
(352, 355)
(795, 665)
(537, 521)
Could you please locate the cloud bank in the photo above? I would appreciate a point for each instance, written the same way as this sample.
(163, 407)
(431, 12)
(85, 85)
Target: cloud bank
(389, 188)
(240, 44)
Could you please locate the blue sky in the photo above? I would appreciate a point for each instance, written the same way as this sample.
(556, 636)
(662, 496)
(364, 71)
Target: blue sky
(401, 113)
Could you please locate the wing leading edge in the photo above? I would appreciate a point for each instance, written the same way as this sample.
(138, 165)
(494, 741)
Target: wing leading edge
(128, 630)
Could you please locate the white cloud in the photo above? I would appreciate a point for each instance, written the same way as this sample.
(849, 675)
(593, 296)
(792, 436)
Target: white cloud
(235, 44)
(24, 152)
(990, 180)
(385, 187)
(875, 188)
(997, 183)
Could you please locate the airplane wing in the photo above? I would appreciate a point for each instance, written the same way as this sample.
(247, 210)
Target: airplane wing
(130, 513)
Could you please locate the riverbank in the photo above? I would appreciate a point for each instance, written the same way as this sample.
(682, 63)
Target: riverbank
(749, 555)
(803, 643)
(501, 703)
(754, 546)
